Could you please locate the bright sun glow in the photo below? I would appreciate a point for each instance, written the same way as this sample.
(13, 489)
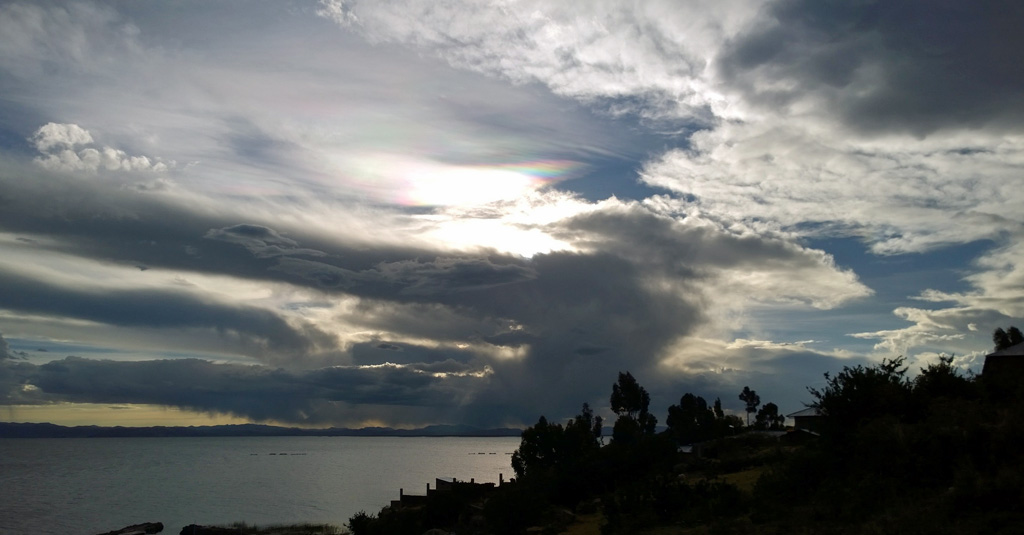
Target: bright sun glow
(462, 186)
(413, 181)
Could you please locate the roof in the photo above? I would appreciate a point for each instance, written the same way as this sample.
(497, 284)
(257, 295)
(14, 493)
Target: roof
(1012, 351)
(809, 411)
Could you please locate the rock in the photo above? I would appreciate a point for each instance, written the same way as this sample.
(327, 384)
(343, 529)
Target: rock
(138, 529)
(193, 529)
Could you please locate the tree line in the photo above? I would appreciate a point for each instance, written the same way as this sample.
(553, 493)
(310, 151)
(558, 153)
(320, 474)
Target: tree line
(936, 453)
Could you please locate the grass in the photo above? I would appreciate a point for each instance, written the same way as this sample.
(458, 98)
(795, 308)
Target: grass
(745, 479)
(586, 525)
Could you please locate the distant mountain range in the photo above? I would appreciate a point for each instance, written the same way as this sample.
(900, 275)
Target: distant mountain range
(31, 430)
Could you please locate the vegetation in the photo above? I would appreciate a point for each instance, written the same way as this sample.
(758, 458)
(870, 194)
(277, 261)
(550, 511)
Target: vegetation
(937, 453)
(242, 528)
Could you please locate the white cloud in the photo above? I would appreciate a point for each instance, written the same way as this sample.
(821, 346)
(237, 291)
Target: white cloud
(59, 144)
(899, 195)
(648, 59)
(60, 136)
(961, 321)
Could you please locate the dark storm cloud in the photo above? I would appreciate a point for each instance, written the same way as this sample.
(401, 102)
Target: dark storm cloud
(258, 392)
(261, 241)
(260, 331)
(555, 329)
(105, 222)
(445, 275)
(375, 352)
(410, 279)
(675, 247)
(564, 303)
(912, 66)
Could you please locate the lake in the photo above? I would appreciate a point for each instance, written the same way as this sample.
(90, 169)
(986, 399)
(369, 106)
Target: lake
(88, 486)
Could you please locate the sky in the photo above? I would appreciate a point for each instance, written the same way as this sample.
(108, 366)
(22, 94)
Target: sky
(402, 213)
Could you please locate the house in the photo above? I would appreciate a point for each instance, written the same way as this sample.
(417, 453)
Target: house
(443, 485)
(1009, 361)
(808, 419)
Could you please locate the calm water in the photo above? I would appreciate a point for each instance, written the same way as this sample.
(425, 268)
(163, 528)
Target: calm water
(88, 486)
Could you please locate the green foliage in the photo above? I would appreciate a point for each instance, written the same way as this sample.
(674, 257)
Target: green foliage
(514, 509)
(769, 418)
(559, 461)
(659, 500)
(540, 449)
(751, 399)
(547, 446)
(631, 403)
(860, 393)
(362, 523)
(693, 421)
(1008, 338)
(934, 455)
(943, 380)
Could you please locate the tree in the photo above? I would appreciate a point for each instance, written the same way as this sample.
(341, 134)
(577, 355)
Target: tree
(540, 448)
(942, 380)
(548, 447)
(769, 418)
(1008, 338)
(631, 403)
(860, 393)
(583, 433)
(691, 421)
(752, 400)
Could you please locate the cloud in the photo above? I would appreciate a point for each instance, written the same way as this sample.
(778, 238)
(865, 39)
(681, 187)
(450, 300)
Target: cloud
(962, 322)
(898, 196)
(335, 396)
(552, 328)
(646, 60)
(443, 245)
(733, 266)
(910, 67)
(261, 241)
(65, 38)
(260, 332)
(60, 136)
(5, 349)
(59, 144)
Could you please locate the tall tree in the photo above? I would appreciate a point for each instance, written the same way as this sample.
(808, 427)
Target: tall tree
(1008, 338)
(540, 449)
(769, 418)
(752, 400)
(583, 433)
(631, 403)
(691, 421)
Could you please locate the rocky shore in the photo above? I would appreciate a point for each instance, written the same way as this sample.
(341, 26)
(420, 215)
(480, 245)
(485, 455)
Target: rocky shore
(149, 528)
(138, 529)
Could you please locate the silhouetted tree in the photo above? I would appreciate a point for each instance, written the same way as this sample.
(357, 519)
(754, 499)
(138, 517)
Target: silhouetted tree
(547, 447)
(860, 393)
(769, 418)
(942, 380)
(540, 448)
(752, 400)
(584, 431)
(631, 403)
(1008, 338)
(719, 413)
(691, 420)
